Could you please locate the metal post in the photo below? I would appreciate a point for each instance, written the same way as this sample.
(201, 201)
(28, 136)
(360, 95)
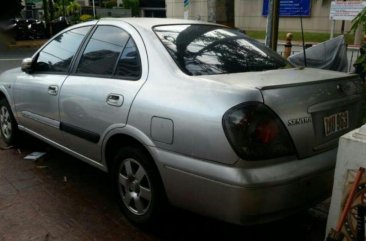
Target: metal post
(343, 23)
(276, 18)
(272, 24)
(303, 41)
(93, 8)
(269, 25)
(332, 29)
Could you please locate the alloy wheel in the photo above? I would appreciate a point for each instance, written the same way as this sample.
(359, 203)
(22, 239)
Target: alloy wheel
(5, 122)
(134, 186)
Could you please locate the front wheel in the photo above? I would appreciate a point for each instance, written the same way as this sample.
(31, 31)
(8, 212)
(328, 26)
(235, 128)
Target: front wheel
(138, 186)
(8, 126)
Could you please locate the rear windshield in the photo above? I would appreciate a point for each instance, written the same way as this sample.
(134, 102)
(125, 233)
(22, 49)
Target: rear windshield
(209, 49)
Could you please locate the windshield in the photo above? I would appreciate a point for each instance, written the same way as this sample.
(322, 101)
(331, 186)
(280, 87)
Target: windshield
(209, 49)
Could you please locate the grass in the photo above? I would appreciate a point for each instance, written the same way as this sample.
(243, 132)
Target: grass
(308, 36)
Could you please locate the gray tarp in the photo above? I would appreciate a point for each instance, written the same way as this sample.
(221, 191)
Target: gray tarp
(331, 54)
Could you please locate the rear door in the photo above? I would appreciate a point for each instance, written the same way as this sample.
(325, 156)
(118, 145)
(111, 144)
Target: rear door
(97, 97)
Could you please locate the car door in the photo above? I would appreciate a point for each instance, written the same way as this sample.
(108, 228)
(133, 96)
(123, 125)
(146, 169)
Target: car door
(36, 94)
(97, 97)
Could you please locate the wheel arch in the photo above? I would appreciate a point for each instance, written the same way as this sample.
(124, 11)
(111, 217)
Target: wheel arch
(118, 140)
(4, 96)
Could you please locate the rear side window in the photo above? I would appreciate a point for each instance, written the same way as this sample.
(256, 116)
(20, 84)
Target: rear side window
(57, 55)
(129, 64)
(209, 49)
(110, 51)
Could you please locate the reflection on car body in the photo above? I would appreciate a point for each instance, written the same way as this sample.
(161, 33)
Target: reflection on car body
(192, 113)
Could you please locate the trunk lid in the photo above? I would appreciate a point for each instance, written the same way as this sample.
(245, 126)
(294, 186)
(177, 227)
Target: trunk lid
(316, 106)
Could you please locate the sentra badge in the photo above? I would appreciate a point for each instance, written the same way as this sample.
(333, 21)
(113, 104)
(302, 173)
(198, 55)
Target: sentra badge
(299, 121)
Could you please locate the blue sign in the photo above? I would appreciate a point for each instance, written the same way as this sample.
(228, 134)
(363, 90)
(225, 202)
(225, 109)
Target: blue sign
(290, 8)
(186, 3)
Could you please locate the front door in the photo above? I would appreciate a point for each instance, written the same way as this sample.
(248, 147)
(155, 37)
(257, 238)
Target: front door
(36, 94)
(97, 97)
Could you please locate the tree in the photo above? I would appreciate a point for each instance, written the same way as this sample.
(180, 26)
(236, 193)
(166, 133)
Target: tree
(230, 9)
(359, 20)
(73, 8)
(134, 5)
(360, 64)
(60, 7)
(10, 9)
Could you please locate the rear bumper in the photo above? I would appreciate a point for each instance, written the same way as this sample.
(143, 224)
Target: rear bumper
(247, 195)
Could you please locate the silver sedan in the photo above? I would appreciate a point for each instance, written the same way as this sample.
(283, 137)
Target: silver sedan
(188, 113)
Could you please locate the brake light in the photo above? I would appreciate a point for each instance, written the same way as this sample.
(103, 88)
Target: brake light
(256, 133)
(266, 132)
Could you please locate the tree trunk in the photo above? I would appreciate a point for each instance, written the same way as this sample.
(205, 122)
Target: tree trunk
(211, 11)
(230, 13)
(46, 18)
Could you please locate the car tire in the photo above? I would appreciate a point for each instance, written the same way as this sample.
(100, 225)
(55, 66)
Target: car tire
(138, 186)
(8, 125)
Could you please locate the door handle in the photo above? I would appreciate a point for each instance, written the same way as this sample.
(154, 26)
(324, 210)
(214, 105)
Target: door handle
(115, 100)
(53, 89)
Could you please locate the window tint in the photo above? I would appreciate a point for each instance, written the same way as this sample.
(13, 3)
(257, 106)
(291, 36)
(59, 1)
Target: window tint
(129, 65)
(102, 52)
(57, 55)
(209, 49)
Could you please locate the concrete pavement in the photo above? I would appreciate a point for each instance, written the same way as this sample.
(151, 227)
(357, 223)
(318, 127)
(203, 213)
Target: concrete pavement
(43, 200)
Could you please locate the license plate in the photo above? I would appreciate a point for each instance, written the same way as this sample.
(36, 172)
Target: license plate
(335, 123)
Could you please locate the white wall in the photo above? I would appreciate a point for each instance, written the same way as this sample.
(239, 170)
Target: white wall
(248, 15)
(198, 9)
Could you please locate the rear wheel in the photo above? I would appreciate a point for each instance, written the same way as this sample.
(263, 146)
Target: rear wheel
(8, 125)
(138, 186)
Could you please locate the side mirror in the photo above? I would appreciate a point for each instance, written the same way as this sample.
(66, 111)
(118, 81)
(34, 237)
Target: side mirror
(27, 65)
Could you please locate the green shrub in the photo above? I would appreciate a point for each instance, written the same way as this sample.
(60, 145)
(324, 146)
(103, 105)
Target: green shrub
(134, 5)
(86, 17)
(110, 4)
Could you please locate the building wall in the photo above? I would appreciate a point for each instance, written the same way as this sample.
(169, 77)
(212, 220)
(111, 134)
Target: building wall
(198, 9)
(248, 15)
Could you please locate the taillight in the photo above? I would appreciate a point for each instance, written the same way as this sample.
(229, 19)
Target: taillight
(256, 133)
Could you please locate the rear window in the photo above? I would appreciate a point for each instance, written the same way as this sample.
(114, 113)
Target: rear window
(209, 49)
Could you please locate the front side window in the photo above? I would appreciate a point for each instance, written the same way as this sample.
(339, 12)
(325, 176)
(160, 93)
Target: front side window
(209, 49)
(57, 55)
(103, 50)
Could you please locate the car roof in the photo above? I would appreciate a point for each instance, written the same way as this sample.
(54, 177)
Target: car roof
(148, 23)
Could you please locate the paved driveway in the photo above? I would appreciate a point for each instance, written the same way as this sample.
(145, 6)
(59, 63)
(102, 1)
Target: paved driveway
(61, 198)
